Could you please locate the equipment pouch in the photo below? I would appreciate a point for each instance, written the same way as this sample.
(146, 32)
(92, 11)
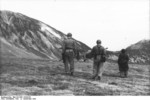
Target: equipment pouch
(103, 59)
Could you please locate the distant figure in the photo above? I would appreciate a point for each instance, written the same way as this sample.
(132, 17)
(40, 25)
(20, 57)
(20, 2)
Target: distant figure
(68, 54)
(99, 54)
(123, 63)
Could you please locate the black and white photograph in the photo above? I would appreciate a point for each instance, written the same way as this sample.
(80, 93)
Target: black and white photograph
(74, 48)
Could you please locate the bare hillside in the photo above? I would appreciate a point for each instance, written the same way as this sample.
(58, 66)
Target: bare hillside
(31, 38)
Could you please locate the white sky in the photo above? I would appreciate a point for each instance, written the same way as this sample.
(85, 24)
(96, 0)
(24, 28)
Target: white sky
(118, 23)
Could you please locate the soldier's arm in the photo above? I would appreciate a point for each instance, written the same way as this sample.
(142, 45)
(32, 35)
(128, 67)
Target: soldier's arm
(89, 54)
(75, 48)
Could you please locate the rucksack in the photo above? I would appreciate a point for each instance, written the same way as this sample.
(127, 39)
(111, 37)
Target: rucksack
(99, 54)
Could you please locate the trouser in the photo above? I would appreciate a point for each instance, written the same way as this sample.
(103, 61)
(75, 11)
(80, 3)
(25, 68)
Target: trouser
(98, 69)
(69, 61)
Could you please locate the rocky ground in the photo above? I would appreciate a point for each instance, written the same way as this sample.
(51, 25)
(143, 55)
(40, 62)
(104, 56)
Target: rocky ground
(21, 76)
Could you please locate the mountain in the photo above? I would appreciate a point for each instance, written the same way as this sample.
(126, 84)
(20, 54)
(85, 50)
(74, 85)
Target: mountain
(138, 52)
(23, 36)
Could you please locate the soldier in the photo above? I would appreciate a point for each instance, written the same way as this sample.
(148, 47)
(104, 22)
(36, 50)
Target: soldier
(99, 54)
(69, 48)
(123, 63)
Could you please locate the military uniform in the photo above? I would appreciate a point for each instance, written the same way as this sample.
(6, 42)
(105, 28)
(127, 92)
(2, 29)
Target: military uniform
(69, 53)
(99, 54)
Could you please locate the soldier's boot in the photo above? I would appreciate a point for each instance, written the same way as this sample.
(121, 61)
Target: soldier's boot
(98, 78)
(66, 68)
(71, 73)
(66, 71)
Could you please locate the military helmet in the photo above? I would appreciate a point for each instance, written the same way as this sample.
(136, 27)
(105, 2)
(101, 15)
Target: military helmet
(69, 35)
(98, 41)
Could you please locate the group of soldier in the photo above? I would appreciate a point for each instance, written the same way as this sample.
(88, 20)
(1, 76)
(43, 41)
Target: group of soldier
(98, 53)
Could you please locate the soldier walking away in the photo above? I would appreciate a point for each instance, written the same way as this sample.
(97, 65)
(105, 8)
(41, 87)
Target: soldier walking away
(98, 52)
(123, 63)
(69, 48)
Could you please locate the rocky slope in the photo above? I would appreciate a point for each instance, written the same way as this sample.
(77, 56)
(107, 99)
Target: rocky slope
(138, 52)
(23, 36)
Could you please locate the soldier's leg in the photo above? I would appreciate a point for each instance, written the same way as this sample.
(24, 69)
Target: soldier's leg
(71, 62)
(101, 69)
(94, 70)
(97, 71)
(66, 62)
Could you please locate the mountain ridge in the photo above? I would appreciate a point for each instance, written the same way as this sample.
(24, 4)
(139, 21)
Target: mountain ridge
(32, 35)
(138, 52)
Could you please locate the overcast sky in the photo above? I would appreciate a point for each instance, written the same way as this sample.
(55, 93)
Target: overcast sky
(118, 23)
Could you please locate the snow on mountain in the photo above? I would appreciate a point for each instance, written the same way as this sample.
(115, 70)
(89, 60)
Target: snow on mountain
(23, 36)
(49, 31)
(28, 35)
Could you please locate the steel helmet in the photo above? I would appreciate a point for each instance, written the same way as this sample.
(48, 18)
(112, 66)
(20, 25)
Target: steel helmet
(98, 41)
(69, 35)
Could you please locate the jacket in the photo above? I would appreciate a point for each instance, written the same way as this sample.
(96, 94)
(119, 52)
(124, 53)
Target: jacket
(98, 53)
(69, 43)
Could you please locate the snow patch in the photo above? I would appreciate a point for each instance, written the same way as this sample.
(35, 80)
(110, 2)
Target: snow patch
(47, 55)
(79, 43)
(4, 41)
(46, 41)
(46, 28)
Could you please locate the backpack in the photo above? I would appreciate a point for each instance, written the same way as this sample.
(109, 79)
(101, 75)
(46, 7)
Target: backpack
(99, 54)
